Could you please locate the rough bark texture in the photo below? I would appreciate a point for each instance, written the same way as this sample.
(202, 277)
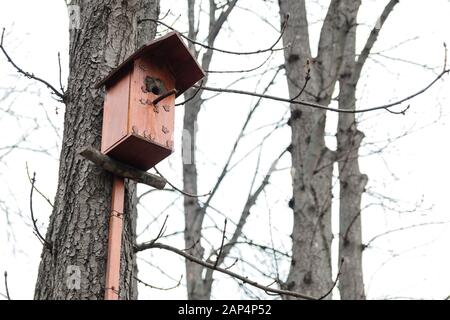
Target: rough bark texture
(79, 221)
(312, 161)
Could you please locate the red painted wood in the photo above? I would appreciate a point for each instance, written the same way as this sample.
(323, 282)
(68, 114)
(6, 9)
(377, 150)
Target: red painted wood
(115, 240)
(115, 112)
(169, 49)
(153, 123)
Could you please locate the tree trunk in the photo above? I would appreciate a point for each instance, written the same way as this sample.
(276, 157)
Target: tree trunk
(197, 287)
(312, 162)
(352, 182)
(74, 267)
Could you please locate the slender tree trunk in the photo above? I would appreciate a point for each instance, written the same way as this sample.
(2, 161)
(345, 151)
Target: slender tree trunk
(197, 287)
(352, 181)
(312, 161)
(78, 225)
(192, 210)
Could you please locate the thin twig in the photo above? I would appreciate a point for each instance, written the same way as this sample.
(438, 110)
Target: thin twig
(208, 47)
(322, 107)
(36, 230)
(243, 70)
(160, 233)
(307, 78)
(159, 288)
(181, 191)
(60, 77)
(368, 243)
(221, 245)
(6, 285)
(35, 188)
(335, 281)
(226, 167)
(191, 97)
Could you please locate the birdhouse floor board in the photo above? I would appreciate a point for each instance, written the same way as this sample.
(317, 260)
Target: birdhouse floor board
(138, 151)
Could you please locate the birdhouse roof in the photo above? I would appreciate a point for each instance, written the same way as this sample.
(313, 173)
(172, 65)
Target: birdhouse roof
(171, 50)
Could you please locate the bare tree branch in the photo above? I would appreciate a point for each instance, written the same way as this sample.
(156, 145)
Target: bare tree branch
(221, 245)
(59, 94)
(209, 47)
(368, 243)
(322, 107)
(251, 200)
(35, 188)
(238, 139)
(60, 77)
(192, 96)
(335, 281)
(209, 265)
(372, 39)
(36, 229)
(159, 288)
(181, 191)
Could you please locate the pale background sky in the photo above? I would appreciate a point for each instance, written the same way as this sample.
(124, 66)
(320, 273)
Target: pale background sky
(413, 171)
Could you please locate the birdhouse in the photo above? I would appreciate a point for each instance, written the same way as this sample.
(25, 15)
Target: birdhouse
(138, 113)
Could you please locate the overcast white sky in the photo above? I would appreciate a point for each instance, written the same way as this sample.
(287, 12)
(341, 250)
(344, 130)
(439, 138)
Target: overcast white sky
(413, 170)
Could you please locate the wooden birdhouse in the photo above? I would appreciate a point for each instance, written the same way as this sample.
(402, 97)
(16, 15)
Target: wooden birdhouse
(138, 114)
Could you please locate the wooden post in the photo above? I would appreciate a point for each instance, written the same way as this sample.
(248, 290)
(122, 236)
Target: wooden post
(115, 239)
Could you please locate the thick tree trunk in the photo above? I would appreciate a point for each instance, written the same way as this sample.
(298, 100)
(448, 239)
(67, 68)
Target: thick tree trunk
(78, 225)
(312, 161)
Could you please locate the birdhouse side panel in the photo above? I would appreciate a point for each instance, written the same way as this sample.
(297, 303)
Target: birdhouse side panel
(153, 123)
(115, 112)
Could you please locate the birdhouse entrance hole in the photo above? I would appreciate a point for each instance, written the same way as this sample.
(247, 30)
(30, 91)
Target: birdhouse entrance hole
(154, 85)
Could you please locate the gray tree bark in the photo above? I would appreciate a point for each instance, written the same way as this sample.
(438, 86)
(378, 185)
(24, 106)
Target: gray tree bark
(352, 182)
(312, 162)
(78, 226)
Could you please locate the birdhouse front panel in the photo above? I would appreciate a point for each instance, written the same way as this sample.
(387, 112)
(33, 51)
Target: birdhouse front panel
(153, 122)
(137, 131)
